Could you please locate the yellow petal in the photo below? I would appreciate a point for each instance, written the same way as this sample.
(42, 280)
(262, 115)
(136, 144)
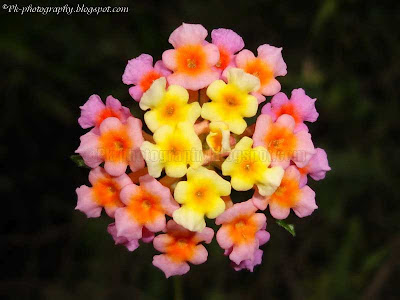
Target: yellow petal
(244, 81)
(189, 219)
(154, 94)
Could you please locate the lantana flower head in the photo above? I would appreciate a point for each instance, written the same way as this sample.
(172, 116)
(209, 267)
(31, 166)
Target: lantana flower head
(141, 73)
(316, 167)
(231, 103)
(193, 59)
(180, 246)
(175, 148)
(283, 143)
(117, 145)
(289, 195)
(300, 106)
(94, 112)
(104, 193)
(228, 43)
(146, 207)
(238, 233)
(168, 106)
(266, 66)
(199, 142)
(249, 166)
(200, 195)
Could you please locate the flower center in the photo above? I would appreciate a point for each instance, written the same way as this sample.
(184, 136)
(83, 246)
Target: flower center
(191, 63)
(170, 110)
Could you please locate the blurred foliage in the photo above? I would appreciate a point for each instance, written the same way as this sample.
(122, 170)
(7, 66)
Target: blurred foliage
(345, 53)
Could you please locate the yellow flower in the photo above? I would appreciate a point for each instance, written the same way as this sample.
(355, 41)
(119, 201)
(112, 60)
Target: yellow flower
(174, 149)
(248, 166)
(168, 107)
(200, 195)
(219, 137)
(231, 102)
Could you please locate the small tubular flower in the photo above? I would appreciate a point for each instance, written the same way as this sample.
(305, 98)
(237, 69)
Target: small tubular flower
(266, 66)
(174, 149)
(146, 207)
(93, 112)
(231, 102)
(200, 195)
(218, 138)
(193, 59)
(228, 43)
(289, 195)
(180, 246)
(300, 106)
(282, 142)
(239, 232)
(248, 166)
(316, 167)
(104, 193)
(168, 107)
(117, 145)
(141, 73)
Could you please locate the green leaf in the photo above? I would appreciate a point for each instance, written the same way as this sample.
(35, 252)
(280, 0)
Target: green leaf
(288, 227)
(78, 160)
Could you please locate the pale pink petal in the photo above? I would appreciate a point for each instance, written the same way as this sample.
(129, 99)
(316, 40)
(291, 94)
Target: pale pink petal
(306, 204)
(271, 88)
(115, 168)
(158, 224)
(304, 148)
(187, 34)
(273, 56)
(243, 251)
(277, 211)
(263, 237)
(136, 92)
(304, 105)
(86, 203)
(263, 125)
(286, 121)
(199, 256)
(110, 210)
(212, 54)
(250, 264)
(259, 201)
(244, 57)
(206, 235)
(126, 225)
(89, 111)
(223, 238)
(147, 235)
(131, 245)
(128, 192)
(161, 68)
(169, 267)
(136, 68)
(123, 180)
(246, 208)
(318, 165)
(260, 98)
(110, 124)
(227, 38)
(169, 59)
(89, 151)
(162, 241)
(292, 173)
(136, 161)
(116, 106)
(96, 174)
(196, 82)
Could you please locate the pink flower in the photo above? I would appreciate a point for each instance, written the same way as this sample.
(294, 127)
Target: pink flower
(131, 245)
(103, 193)
(180, 246)
(140, 72)
(117, 144)
(282, 142)
(289, 195)
(300, 106)
(94, 112)
(146, 207)
(316, 168)
(228, 43)
(241, 226)
(266, 66)
(193, 59)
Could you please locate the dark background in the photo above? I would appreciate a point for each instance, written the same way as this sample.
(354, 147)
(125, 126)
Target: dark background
(345, 53)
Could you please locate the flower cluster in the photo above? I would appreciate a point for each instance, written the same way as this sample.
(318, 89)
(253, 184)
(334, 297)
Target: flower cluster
(196, 147)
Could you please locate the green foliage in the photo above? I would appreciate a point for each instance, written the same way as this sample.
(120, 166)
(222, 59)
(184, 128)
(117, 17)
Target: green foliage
(288, 227)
